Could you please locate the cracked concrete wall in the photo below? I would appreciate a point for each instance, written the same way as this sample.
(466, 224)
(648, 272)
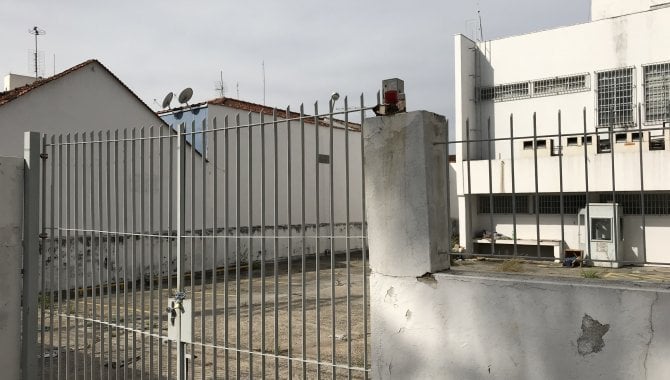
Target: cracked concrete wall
(472, 326)
(11, 249)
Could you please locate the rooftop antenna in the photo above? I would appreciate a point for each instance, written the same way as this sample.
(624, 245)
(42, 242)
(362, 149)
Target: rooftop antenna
(221, 87)
(263, 64)
(481, 29)
(237, 85)
(35, 31)
(185, 95)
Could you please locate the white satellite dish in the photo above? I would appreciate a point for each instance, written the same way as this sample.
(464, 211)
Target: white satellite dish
(167, 100)
(185, 95)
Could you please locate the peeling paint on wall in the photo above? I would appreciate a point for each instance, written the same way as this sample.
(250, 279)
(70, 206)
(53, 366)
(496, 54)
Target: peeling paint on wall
(591, 340)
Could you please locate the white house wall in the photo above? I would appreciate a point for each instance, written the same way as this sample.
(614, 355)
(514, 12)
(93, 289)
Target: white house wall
(88, 99)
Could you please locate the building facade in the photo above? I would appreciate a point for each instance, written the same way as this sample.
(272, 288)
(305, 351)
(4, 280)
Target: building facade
(610, 81)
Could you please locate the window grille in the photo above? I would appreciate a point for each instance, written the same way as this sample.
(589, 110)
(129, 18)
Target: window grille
(655, 203)
(502, 204)
(506, 92)
(551, 204)
(656, 87)
(561, 85)
(615, 97)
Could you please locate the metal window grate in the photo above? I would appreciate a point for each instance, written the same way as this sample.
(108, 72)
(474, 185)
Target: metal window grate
(656, 99)
(615, 97)
(502, 204)
(561, 85)
(551, 204)
(655, 203)
(505, 92)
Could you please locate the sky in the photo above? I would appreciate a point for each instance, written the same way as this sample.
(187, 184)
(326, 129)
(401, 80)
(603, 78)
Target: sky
(309, 48)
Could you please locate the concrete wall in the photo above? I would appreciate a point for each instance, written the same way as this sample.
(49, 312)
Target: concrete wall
(11, 219)
(509, 327)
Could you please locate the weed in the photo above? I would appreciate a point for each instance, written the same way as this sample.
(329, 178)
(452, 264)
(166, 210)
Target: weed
(513, 265)
(590, 273)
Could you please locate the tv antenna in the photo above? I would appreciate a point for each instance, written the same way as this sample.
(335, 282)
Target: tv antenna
(35, 31)
(263, 82)
(185, 95)
(221, 87)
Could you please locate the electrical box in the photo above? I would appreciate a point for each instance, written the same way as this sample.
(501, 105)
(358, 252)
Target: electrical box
(601, 234)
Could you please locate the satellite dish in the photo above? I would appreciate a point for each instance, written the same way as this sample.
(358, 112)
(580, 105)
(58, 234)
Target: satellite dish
(185, 95)
(167, 100)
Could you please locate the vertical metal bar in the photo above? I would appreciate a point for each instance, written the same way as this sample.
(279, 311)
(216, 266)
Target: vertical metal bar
(203, 351)
(470, 201)
(31, 251)
(126, 246)
(134, 230)
(215, 242)
(94, 287)
(172, 201)
(237, 249)
(117, 217)
(586, 184)
(289, 254)
(614, 200)
(263, 371)
(68, 247)
(537, 195)
(226, 214)
(42, 296)
(347, 220)
(493, 231)
(511, 142)
(642, 200)
(55, 252)
(191, 238)
(161, 242)
(151, 239)
(303, 269)
(331, 212)
(560, 181)
(317, 227)
(181, 221)
(61, 255)
(77, 228)
(103, 206)
(275, 257)
(447, 186)
(364, 244)
(143, 231)
(250, 263)
(84, 227)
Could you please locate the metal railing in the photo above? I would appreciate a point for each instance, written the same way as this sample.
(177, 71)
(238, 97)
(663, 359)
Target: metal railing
(265, 241)
(526, 194)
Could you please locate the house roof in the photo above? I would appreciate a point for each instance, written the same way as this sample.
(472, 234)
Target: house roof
(261, 109)
(8, 96)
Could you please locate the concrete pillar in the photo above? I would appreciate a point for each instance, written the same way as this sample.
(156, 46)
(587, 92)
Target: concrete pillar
(11, 253)
(405, 176)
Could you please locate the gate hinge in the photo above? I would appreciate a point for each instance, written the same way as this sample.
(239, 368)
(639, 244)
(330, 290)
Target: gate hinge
(44, 156)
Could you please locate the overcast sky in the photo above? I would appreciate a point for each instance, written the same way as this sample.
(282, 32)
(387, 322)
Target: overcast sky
(310, 47)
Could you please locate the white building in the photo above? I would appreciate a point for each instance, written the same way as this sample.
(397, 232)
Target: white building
(598, 74)
(87, 97)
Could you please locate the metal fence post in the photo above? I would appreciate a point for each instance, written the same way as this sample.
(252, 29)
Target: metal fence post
(181, 221)
(31, 250)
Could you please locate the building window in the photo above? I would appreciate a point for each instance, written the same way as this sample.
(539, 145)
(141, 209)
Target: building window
(572, 141)
(621, 138)
(601, 229)
(615, 97)
(654, 203)
(635, 136)
(528, 145)
(541, 144)
(561, 85)
(506, 92)
(588, 141)
(502, 204)
(656, 99)
(551, 204)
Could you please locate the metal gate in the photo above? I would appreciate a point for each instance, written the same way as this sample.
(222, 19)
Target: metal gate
(241, 257)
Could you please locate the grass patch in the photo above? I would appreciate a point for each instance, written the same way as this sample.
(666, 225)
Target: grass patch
(590, 273)
(513, 265)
